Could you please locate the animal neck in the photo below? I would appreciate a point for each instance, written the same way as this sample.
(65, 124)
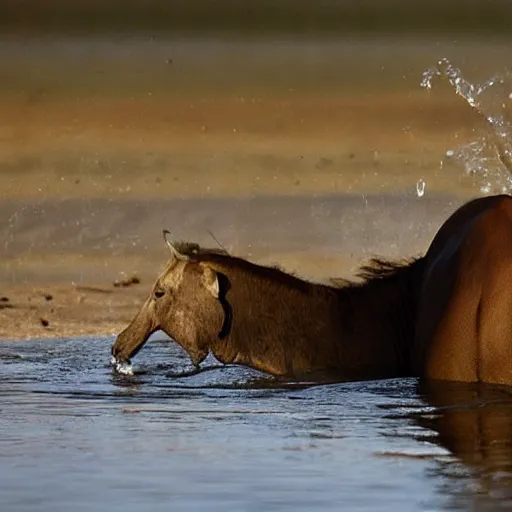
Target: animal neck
(379, 319)
(286, 326)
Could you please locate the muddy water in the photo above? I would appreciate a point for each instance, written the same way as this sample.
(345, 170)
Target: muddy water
(76, 437)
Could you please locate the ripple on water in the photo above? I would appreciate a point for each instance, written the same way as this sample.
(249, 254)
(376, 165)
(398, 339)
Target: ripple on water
(76, 435)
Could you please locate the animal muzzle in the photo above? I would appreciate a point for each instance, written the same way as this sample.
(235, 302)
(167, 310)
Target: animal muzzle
(120, 366)
(117, 356)
(123, 349)
(133, 338)
(126, 346)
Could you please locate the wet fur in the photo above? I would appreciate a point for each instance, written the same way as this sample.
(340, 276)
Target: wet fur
(283, 325)
(384, 294)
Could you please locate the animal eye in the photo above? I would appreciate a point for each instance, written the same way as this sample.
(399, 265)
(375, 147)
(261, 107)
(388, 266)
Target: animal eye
(159, 293)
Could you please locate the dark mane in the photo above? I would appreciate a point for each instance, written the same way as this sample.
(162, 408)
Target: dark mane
(380, 268)
(377, 269)
(222, 258)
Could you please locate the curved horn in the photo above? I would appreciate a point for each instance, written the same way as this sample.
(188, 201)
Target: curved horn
(174, 252)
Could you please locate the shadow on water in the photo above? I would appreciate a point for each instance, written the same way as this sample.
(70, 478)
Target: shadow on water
(474, 423)
(75, 435)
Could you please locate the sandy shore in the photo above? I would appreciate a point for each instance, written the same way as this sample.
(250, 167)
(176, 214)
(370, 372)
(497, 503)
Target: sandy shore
(55, 310)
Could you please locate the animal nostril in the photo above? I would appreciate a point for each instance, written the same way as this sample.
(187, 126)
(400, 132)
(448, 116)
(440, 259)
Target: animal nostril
(159, 293)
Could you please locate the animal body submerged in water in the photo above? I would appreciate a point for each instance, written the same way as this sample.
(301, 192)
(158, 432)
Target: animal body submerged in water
(447, 315)
(210, 301)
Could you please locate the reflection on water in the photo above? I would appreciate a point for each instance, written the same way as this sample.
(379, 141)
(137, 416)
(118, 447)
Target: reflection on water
(474, 422)
(76, 437)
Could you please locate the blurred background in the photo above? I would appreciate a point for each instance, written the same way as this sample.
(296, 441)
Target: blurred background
(296, 131)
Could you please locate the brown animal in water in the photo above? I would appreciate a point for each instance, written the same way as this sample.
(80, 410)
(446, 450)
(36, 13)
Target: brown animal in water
(464, 319)
(447, 315)
(209, 301)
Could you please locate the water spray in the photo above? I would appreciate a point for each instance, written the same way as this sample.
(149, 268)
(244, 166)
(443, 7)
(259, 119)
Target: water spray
(473, 154)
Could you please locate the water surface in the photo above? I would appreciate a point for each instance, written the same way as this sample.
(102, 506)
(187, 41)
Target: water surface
(76, 437)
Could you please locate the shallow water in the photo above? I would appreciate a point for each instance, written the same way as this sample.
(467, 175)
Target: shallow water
(76, 437)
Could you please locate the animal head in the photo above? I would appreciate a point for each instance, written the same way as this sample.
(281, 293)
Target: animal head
(186, 302)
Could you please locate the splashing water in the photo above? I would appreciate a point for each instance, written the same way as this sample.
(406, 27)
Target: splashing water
(121, 368)
(489, 157)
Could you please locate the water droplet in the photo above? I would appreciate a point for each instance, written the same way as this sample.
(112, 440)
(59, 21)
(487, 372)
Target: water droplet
(420, 187)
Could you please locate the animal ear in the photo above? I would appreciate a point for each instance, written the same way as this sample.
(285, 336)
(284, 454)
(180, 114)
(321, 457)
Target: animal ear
(211, 281)
(172, 249)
